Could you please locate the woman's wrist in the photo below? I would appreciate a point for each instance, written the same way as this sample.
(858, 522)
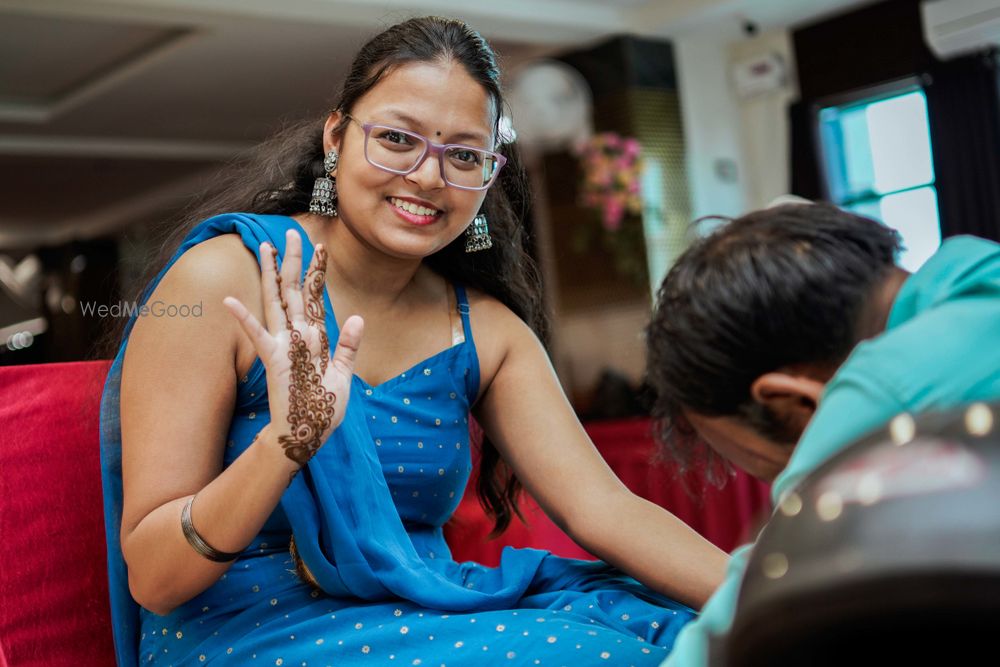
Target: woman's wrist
(266, 441)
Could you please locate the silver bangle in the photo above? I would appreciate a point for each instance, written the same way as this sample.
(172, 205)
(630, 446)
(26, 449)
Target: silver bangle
(198, 543)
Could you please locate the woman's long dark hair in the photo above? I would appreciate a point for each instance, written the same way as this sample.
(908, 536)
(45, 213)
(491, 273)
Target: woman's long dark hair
(277, 178)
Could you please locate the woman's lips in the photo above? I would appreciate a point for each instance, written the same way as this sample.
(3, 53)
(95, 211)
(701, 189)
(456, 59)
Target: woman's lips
(396, 204)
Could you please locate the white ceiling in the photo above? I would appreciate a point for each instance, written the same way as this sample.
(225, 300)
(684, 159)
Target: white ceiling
(110, 110)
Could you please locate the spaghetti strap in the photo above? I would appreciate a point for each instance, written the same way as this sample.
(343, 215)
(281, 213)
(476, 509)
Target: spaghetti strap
(471, 355)
(463, 310)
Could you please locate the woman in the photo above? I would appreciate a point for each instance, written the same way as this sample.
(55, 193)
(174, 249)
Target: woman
(219, 413)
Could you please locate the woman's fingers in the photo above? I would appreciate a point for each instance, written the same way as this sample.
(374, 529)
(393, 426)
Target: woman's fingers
(290, 304)
(312, 289)
(262, 341)
(274, 315)
(315, 311)
(346, 353)
(291, 277)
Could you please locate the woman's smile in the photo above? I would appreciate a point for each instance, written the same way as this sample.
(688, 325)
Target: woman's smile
(414, 211)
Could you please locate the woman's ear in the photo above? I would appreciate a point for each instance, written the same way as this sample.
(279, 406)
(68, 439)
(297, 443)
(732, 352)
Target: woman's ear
(331, 136)
(792, 399)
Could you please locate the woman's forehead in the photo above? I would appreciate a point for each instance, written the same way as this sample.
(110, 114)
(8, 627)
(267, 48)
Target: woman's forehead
(435, 97)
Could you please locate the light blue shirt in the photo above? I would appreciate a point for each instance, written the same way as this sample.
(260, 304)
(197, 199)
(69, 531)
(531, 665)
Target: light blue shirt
(941, 349)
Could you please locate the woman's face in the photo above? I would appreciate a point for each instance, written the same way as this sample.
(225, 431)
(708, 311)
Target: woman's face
(443, 103)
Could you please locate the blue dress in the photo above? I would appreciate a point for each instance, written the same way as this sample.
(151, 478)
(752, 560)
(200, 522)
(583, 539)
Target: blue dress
(367, 514)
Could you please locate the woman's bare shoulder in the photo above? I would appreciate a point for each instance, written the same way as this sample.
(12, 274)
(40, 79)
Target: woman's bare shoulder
(192, 289)
(219, 263)
(489, 311)
(497, 330)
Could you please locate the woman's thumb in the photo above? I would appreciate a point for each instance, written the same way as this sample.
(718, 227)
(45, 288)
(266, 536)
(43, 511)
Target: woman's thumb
(346, 353)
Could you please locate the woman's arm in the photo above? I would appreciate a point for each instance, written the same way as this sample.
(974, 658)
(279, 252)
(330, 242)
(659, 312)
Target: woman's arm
(525, 412)
(179, 381)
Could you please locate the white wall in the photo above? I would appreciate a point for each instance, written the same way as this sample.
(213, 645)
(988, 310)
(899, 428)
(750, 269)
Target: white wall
(711, 119)
(764, 125)
(718, 125)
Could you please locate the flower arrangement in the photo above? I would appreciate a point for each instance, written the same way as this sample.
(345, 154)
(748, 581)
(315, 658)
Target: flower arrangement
(611, 176)
(612, 171)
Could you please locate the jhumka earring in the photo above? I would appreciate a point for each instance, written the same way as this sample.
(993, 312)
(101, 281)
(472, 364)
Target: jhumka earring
(324, 195)
(477, 235)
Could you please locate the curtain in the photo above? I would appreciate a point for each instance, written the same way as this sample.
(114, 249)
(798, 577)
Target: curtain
(963, 106)
(803, 152)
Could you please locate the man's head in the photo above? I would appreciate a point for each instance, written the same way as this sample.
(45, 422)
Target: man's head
(753, 319)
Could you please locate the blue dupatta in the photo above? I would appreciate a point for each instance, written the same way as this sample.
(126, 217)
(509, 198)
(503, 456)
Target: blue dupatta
(347, 528)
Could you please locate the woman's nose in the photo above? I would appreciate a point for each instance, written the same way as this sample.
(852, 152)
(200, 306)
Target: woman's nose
(427, 175)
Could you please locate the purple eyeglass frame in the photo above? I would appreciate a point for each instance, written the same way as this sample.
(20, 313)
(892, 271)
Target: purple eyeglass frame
(430, 148)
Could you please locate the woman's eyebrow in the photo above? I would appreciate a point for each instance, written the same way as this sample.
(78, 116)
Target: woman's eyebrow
(413, 122)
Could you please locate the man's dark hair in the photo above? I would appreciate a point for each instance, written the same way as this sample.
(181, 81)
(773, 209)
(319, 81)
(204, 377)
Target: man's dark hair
(774, 288)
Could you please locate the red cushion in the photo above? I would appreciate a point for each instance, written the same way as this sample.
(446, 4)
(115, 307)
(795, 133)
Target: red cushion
(725, 516)
(53, 582)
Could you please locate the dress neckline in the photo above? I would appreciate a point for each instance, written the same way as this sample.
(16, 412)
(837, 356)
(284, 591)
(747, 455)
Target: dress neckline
(333, 329)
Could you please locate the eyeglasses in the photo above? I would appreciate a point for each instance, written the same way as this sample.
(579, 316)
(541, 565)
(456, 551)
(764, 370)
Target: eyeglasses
(402, 152)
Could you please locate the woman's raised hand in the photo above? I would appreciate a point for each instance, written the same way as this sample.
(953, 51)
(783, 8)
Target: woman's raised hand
(307, 390)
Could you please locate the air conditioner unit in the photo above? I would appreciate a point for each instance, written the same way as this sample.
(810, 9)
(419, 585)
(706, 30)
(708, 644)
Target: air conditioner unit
(953, 27)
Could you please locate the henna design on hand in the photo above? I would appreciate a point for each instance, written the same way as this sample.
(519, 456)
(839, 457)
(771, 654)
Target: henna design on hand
(310, 405)
(315, 281)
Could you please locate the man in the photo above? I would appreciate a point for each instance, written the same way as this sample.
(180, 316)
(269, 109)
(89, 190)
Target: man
(789, 333)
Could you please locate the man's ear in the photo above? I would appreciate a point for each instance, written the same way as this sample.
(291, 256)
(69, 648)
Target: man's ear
(791, 398)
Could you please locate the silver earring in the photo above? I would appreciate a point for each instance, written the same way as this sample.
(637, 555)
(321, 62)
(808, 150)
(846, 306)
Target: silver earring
(477, 235)
(324, 194)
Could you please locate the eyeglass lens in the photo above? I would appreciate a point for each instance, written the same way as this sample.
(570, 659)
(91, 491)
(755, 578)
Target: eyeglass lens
(399, 151)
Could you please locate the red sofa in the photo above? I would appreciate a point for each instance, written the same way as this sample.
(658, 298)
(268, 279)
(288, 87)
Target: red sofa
(53, 584)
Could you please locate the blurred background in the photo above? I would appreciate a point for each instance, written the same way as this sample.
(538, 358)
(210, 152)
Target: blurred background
(636, 118)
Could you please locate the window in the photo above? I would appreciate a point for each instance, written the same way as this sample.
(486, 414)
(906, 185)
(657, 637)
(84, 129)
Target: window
(877, 163)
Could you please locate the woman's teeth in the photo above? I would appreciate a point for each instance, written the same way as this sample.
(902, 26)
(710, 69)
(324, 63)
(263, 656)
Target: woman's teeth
(411, 207)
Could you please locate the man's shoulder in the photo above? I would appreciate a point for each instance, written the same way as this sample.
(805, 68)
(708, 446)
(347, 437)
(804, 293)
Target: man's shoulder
(954, 337)
(963, 267)
(946, 316)
(944, 355)
(965, 245)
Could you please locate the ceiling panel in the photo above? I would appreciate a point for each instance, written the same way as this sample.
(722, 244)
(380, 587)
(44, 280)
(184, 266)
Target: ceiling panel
(43, 189)
(45, 57)
(620, 4)
(230, 85)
